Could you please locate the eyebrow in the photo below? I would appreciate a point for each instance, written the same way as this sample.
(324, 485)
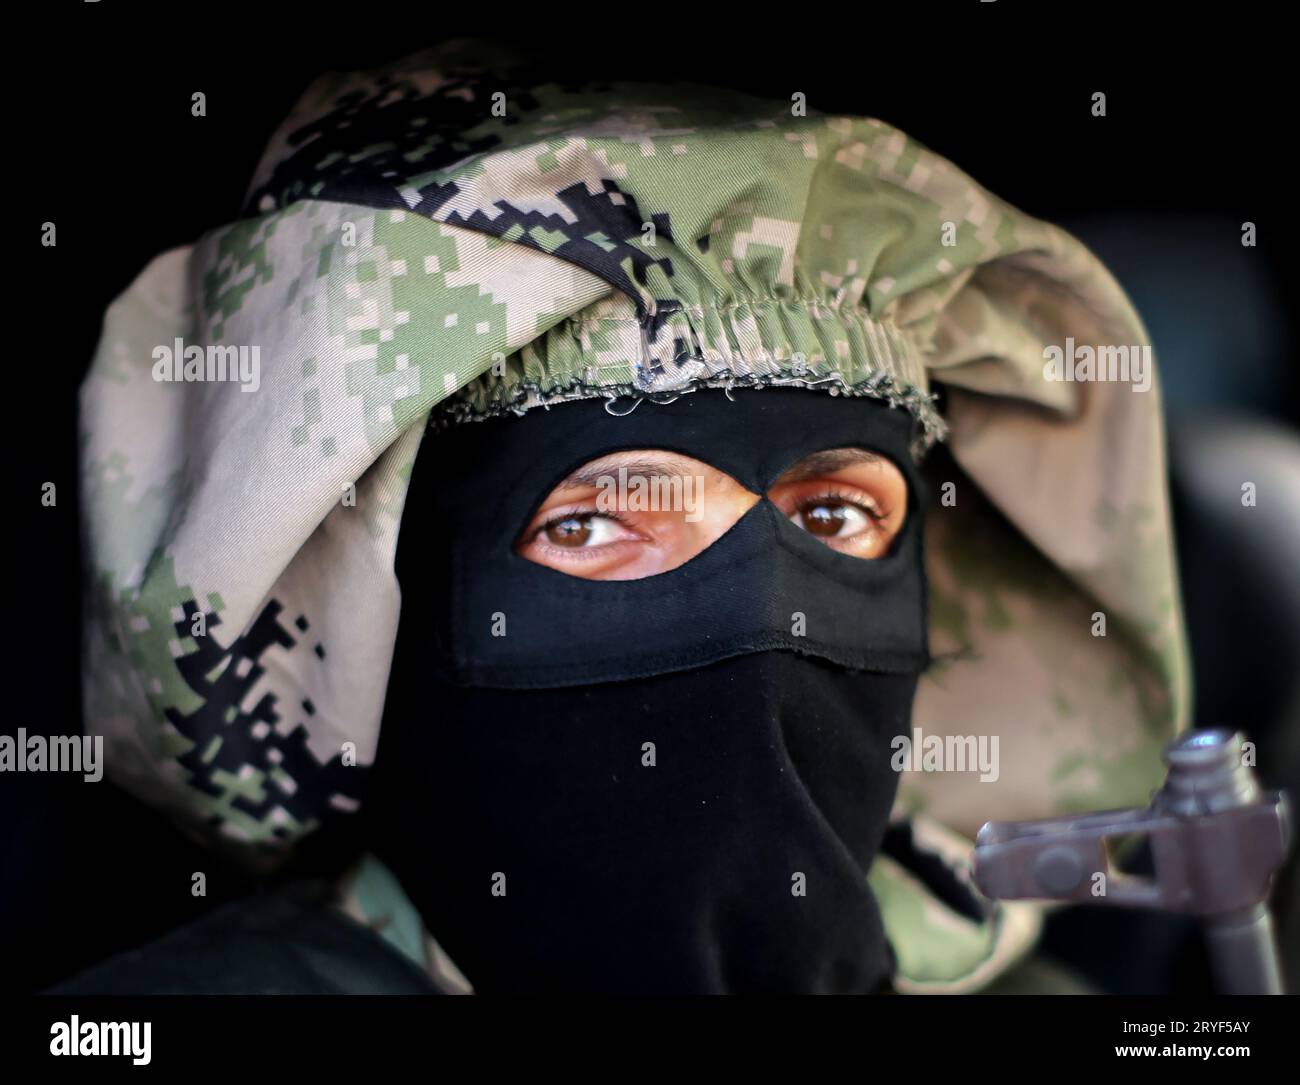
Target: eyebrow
(828, 462)
(589, 475)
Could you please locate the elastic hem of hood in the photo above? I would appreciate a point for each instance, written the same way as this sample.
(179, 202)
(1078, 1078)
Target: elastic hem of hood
(760, 344)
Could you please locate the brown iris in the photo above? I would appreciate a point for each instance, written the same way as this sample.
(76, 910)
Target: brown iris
(835, 495)
(571, 531)
(824, 520)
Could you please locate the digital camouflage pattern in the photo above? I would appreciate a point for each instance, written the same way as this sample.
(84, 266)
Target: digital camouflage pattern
(457, 236)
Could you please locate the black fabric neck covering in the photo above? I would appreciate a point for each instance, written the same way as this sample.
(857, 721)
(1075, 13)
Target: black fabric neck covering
(647, 786)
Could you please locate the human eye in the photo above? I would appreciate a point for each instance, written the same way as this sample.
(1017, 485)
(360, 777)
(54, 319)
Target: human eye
(849, 499)
(632, 514)
(570, 533)
(836, 514)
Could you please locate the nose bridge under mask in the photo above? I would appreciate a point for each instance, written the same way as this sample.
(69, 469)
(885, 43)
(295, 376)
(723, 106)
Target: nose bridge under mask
(506, 622)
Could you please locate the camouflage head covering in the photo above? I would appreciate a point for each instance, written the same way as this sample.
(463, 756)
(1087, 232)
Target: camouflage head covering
(427, 240)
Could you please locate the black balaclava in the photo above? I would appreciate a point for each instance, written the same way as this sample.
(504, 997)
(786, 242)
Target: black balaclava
(546, 845)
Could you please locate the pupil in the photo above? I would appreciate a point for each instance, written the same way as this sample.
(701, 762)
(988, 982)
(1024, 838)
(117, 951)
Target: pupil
(825, 520)
(571, 531)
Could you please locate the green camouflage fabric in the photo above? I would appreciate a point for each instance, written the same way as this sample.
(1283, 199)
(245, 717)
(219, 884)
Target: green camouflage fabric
(460, 235)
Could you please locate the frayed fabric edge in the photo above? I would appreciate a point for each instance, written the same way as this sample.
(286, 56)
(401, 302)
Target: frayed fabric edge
(529, 395)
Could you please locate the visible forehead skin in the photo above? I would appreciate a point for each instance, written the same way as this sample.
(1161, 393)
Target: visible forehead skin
(829, 462)
(653, 462)
(649, 462)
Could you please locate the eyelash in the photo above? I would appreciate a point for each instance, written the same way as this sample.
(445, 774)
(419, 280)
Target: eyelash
(575, 513)
(872, 512)
(580, 513)
(831, 494)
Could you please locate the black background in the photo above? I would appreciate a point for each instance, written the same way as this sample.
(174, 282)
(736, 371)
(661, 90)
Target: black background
(101, 141)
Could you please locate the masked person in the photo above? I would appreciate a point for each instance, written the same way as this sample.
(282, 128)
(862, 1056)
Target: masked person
(678, 781)
(394, 570)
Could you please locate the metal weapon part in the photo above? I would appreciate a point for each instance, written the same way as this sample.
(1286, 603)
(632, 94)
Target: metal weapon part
(1216, 840)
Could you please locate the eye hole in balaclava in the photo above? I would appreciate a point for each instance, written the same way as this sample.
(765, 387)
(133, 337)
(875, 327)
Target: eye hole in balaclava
(670, 783)
(632, 514)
